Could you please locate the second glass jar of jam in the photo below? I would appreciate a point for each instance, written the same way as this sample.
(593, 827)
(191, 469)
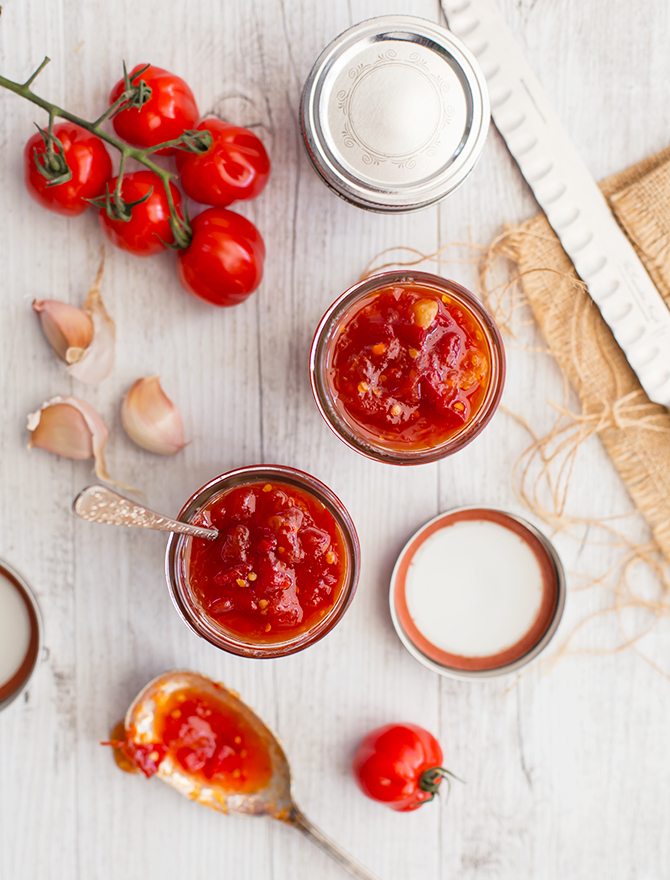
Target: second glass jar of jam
(280, 574)
(407, 369)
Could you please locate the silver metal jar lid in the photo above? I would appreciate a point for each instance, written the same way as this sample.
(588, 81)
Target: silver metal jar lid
(395, 113)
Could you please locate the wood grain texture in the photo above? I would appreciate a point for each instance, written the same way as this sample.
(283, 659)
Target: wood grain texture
(567, 772)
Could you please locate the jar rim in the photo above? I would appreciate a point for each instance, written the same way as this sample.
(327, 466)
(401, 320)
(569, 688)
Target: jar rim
(201, 623)
(18, 682)
(335, 317)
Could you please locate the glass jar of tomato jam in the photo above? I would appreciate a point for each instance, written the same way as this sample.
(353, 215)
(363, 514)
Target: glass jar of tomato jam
(282, 571)
(407, 368)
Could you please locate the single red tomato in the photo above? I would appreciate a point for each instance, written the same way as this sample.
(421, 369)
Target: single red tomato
(170, 110)
(224, 262)
(235, 166)
(400, 766)
(87, 159)
(150, 221)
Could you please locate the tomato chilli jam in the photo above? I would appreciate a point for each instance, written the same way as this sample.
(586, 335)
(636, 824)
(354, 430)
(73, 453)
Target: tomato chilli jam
(281, 571)
(407, 369)
(205, 738)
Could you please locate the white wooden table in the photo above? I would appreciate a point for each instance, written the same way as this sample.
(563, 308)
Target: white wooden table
(567, 773)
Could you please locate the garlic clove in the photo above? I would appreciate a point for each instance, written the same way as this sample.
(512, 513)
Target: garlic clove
(70, 427)
(60, 428)
(83, 338)
(66, 327)
(151, 419)
(96, 361)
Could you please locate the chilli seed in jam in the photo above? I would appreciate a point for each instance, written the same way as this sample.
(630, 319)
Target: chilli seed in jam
(410, 367)
(277, 566)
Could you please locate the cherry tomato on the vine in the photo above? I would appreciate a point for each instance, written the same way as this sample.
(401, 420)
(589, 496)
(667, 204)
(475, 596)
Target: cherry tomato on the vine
(235, 166)
(400, 766)
(170, 110)
(150, 220)
(224, 262)
(87, 159)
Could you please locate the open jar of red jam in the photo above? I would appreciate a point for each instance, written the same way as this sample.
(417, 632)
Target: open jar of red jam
(407, 369)
(280, 574)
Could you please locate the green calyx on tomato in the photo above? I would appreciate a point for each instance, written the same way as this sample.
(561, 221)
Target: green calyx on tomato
(399, 765)
(236, 165)
(430, 780)
(165, 115)
(148, 229)
(134, 95)
(65, 167)
(194, 141)
(114, 205)
(51, 164)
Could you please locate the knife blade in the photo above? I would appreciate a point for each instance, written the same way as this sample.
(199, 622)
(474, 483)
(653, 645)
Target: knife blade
(569, 196)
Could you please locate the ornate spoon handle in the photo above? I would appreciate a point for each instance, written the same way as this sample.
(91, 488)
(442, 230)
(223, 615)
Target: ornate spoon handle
(301, 822)
(100, 504)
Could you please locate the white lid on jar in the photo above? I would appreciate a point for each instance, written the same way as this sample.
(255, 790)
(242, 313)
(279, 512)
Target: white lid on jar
(477, 592)
(395, 113)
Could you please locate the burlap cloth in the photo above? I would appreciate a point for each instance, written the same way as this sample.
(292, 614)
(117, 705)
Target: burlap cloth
(636, 432)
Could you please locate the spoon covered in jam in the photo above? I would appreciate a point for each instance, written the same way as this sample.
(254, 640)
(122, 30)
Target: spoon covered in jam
(201, 739)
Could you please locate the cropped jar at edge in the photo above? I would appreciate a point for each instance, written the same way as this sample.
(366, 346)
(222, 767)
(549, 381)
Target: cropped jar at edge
(341, 315)
(278, 644)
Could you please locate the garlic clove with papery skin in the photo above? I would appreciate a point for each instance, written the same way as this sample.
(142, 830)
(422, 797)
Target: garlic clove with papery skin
(71, 427)
(68, 330)
(83, 338)
(62, 429)
(151, 419)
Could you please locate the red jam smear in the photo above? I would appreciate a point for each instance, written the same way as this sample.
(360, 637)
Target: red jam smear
(145, 757)
(411, 366)
(208, 739)
(277, 567)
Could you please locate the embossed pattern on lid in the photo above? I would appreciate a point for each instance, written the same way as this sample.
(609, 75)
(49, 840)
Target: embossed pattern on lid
(395, 113)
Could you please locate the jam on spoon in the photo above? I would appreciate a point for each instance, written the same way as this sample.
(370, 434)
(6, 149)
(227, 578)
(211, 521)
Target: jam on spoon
(200, 738)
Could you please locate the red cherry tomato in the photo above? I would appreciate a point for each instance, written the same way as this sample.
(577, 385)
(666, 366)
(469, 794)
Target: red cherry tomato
(235, 166)
(150, 221)
(224, 262)
(399, 765)
(170, 110)
(87, 159)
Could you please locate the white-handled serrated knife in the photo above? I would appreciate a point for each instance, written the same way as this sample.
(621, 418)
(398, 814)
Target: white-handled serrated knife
(576, 209)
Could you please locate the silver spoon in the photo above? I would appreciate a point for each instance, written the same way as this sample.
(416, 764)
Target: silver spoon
(275, 800)
(100, 504)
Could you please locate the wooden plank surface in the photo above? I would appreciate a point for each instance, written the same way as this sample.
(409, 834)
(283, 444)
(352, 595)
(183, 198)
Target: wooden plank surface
(567, 771)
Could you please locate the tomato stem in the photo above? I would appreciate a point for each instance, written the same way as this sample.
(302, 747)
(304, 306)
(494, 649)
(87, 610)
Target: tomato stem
(117, 190)
(191, 141)
(431, 779)
(31, 79)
